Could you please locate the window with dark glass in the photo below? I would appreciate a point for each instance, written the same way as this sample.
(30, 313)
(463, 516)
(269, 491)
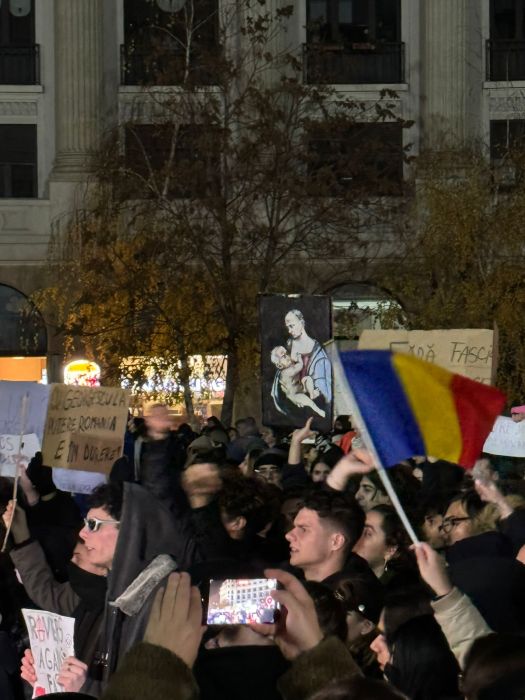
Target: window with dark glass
(18, 160)
(506, 46)
(353, 21)
(18, 51)
(160, 35)
(506, 136)
(191, 172)
(354, 41)
(363, 158)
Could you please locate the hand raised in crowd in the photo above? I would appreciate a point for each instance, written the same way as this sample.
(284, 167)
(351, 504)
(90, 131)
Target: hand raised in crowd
(432, 568)
(294, 452)
(305, 432)
(72, 674)
(16, 516)
(298, 628)
(175, 620)
(31, 494)
(489, 492)
(356, 463)
(27, 669)
(201, 482)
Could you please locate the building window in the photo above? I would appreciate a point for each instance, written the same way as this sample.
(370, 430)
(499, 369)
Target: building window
(18, 160)
(192, 172)
(18, 51)
(506, 46)
(354, 41)
(507, 144)
(365, 159)
(160, 36)
(506, 135)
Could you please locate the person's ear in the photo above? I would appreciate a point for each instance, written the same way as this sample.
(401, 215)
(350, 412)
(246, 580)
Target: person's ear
(338, 541)
(389, 553)
(367, 626)
(238, 523)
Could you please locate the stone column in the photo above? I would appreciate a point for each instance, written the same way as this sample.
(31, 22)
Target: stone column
(79, 90)
(451, 80)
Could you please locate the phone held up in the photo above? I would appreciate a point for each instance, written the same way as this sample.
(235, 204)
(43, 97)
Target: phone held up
(241, 601)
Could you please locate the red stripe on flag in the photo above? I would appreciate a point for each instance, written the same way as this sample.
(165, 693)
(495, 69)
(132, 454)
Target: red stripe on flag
(477, 406)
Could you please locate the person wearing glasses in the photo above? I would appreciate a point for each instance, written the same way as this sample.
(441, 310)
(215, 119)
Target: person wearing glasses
(482, 564)
(83, 597)
(137, 541)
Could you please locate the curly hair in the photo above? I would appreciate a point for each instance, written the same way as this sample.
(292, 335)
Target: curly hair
(246, 497)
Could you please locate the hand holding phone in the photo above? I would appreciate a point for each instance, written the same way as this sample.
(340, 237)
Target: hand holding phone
(241, 601)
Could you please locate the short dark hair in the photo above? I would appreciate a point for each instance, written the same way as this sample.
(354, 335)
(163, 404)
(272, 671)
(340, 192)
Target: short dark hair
(108, 496)
(340, 510)
(393, 528)
(248, 498)
(407, 487)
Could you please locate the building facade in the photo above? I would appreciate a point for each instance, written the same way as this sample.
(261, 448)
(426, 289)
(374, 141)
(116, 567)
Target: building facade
(68, 73)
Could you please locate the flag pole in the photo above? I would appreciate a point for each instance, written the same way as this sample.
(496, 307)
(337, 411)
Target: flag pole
(23, 421)
(369, 444)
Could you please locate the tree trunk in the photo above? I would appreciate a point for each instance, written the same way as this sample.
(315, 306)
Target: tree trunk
(185, 377)
(232, 379)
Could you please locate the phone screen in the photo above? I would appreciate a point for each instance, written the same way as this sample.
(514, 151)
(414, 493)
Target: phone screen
(239, 601)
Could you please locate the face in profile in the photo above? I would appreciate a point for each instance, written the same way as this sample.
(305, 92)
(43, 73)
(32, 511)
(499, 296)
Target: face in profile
(101, 542)
(368, 495)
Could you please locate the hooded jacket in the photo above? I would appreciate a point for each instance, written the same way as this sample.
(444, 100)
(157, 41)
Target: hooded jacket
(147, 530)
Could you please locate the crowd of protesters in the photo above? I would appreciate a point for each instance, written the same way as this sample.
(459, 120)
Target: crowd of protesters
(363, 613)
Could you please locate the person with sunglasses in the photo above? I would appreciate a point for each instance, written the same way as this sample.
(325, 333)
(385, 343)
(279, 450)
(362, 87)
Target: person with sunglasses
(82, 597)
(136, 539)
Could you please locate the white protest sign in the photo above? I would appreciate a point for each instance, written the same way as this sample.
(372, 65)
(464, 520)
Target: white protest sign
(507, 438)
(13, 422)
(466, 351)
(77, 481)
(342, 404)
(51, 639)
(85, 427)
(9, 451)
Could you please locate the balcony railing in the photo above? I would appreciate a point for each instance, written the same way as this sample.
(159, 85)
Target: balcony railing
(505, 59)
(358, 63)
(141, 65)
(20, 65)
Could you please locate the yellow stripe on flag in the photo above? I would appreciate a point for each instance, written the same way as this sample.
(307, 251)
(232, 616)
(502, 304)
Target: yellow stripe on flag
(429, 394)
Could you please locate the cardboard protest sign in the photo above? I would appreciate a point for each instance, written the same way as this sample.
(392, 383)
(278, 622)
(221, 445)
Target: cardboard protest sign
(51, 640)
(507, 438)
(468, 352)
(13, 422)
(85, 427)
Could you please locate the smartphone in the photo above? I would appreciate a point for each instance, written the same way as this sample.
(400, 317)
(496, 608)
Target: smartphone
(240, 601)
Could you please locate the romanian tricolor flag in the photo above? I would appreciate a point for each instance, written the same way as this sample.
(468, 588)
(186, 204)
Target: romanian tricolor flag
(411, 407)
